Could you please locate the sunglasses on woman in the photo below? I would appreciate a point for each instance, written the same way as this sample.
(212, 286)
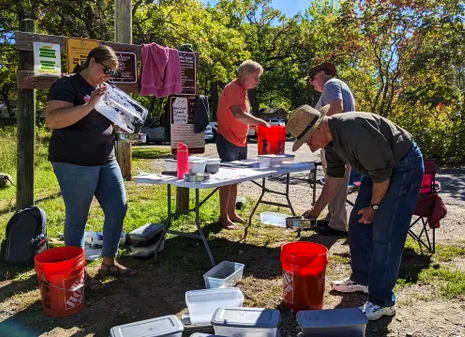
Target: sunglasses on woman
(108, 71)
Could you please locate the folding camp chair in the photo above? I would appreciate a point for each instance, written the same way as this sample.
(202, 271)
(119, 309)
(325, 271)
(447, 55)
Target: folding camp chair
(429, 209)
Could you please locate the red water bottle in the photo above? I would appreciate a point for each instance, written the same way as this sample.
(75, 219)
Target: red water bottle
(182, 160)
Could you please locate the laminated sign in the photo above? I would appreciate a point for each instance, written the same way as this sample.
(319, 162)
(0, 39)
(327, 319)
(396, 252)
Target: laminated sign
(77, 51)
(47, 59)
(288, 287)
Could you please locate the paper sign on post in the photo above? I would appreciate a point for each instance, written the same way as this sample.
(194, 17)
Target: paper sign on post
(182, 119)
(47, 59)
(180, 112)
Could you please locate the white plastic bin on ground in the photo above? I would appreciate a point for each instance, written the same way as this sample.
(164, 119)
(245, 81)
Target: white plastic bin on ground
(246, 322)
(349, 322)
(272, 218)
(223, 275)
(165, 326)
(202, 304)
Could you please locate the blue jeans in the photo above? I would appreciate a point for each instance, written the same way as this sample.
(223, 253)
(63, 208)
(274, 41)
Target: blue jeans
(78, 186)
(376, 248)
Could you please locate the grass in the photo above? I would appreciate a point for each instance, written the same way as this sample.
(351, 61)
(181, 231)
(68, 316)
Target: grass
(439, 275)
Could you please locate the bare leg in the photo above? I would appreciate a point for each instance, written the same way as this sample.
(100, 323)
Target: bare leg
(225, 195)
(232, 205)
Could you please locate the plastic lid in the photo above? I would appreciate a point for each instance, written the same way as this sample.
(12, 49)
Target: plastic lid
(259, 318)
(331, 318)
(156, 327)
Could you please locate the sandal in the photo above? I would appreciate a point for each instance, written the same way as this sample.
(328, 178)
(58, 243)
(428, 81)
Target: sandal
(115, 270)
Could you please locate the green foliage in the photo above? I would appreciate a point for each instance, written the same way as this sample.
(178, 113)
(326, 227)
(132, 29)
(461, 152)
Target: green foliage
(402, 59)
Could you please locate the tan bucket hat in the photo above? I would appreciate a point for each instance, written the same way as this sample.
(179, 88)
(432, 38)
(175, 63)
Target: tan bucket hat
(303, 122)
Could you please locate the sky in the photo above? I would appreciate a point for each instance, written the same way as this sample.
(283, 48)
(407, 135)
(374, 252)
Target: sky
(288, 7)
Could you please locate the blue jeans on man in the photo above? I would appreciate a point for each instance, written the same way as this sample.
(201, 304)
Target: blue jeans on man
(78, 186)
(376, 249)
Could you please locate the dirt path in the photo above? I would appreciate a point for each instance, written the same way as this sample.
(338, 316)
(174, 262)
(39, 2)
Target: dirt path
(414, 318)
(160, 286)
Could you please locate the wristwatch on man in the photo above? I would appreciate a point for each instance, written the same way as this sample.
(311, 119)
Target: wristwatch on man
(375, 207)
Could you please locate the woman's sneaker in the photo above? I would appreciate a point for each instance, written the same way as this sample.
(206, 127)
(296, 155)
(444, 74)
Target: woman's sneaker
(349, 286)
(374, 312)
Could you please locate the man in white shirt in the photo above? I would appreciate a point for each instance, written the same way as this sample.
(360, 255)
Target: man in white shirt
(337, 94)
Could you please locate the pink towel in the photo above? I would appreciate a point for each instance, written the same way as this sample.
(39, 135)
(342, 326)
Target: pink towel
(161, 71)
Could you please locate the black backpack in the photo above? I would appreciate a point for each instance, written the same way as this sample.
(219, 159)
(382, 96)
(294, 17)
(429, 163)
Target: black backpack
(26, 236)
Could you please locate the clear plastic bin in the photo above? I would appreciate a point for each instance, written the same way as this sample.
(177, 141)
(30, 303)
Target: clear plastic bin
(226, 274)
(246, 322)
(275, 160)
(350, 322)
(202, 304)
(275, 219)
(166, 326)
(122, 110)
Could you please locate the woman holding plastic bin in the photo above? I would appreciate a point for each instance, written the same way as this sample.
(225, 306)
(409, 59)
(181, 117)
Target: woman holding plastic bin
(233, 124)
(83, 156)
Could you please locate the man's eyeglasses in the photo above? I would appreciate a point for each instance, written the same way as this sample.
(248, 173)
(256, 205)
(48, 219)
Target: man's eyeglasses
(108, 71)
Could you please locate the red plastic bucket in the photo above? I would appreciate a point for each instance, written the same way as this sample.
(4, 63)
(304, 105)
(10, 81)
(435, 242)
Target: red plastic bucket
(61, 274)
(271, 140)
(304, 267)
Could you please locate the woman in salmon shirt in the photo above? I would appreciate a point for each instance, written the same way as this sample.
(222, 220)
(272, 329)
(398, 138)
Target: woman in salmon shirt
(233, 125)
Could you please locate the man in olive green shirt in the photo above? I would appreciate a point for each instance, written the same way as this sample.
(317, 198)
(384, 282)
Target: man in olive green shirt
(392, 166)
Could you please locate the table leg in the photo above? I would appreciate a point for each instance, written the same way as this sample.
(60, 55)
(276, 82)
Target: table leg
(315, 169)
(167, 223)
(197, 223)
(258, 201)
(287, 194)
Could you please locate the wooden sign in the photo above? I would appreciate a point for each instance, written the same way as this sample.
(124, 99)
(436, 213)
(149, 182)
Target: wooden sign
(77, 50)
(182, 110)
(47, 59)
(127, 69)
(188, 72)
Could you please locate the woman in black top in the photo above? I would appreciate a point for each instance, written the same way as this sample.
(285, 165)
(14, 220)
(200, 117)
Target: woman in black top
(83, 157)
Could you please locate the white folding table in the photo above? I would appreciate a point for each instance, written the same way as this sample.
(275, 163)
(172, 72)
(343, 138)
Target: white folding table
(225, 176)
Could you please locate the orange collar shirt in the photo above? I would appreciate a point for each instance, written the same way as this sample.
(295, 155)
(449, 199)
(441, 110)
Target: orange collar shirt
(229, 127)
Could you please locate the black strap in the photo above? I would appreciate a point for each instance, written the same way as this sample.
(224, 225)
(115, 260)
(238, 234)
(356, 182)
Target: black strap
(309, 126)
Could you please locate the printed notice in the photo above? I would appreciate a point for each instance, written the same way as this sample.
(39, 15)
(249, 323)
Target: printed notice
(47, 59)
(183, 125)
(180, 111)
(127, 68)
(77, 51)
(187, 60)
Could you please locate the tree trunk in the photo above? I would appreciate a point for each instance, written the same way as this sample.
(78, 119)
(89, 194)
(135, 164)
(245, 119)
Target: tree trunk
(214, 99)
(253, 102)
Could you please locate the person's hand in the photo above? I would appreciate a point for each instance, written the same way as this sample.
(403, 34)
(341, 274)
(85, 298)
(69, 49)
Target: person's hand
(368, 214)
(96, 95)
(311, 214)
(265, 124)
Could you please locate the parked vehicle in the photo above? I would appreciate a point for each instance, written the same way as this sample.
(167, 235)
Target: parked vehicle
(158, 134)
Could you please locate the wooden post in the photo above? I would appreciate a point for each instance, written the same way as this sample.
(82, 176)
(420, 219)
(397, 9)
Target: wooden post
(26, 122)
(182, 199)
(123, 33)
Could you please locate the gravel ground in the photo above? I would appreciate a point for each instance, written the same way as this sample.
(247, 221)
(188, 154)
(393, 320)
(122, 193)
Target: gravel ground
(453, 190)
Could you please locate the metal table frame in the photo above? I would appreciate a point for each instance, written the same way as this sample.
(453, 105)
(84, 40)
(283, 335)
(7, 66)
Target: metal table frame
(199, 203)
